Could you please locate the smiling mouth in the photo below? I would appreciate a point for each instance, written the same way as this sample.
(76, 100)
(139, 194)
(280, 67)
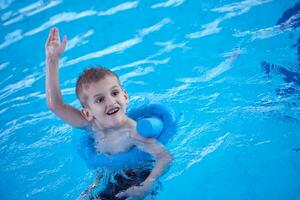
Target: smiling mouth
(113, 111)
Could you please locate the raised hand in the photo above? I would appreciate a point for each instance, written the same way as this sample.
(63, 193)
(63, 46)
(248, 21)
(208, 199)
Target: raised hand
(54, 47)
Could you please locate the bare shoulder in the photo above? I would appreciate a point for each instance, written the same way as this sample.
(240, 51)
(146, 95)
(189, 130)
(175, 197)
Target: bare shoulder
(135, 136)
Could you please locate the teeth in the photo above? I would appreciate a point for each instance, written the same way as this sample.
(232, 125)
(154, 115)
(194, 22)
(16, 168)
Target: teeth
(113, 111)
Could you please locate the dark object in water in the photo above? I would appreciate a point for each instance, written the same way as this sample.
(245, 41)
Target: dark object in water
(296, 149)
(297, 45)
(288, 14)
(288, 76)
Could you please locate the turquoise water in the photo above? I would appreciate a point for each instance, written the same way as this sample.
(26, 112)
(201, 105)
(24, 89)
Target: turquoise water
(238, 137)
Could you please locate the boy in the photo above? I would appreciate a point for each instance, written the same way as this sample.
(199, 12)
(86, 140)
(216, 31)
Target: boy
(104, 104)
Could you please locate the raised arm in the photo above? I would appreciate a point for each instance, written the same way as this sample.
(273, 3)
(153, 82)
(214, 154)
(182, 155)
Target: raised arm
(163, 160)
(54, 48)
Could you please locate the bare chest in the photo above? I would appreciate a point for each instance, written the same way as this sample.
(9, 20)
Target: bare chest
(113, 142)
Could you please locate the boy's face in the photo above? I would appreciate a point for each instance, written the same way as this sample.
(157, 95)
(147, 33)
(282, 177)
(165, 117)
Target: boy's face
(106, 102)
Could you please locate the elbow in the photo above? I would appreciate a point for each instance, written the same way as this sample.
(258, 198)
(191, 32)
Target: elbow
(169, 159)
(52, 105)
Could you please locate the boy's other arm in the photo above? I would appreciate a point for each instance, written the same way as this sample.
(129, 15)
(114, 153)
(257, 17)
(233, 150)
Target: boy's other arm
(162, 156)
(54, 48)
(163, 160)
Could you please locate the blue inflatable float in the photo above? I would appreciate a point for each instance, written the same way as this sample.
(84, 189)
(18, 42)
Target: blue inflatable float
(153, 120)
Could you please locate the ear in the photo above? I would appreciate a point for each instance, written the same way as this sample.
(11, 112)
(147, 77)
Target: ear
(126, 96)
(87, 114)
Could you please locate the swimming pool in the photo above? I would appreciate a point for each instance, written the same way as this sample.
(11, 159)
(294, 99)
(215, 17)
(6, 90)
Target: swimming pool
(238, 137)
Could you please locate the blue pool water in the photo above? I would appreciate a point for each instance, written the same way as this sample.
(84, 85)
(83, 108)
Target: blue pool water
(239, 136)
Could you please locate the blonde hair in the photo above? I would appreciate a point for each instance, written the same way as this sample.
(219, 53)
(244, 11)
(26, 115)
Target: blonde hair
(88, 76)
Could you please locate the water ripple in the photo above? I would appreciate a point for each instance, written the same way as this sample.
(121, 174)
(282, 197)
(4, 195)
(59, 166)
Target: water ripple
(168, 46)
(197, 155)
(79, 39)
(194, 133)
(141, 62)
(32, 9)
(234, 10)
(4, 65)
(109, 50)
(137, 72)
(175, 91)
(17, 35)
(22, 99)
(5, 4)
(11, 38)
(214, 72)
(20, 85)
(62, 17)
(120, 46)
(270, 31)
(121, 7)
(58, 182)
(213, 27)
(169, 3)
(238, 6)
(21, 122)
(156, 27)
(55, 135)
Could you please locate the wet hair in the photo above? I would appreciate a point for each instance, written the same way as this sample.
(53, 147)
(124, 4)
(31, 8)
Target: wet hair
(89, 76)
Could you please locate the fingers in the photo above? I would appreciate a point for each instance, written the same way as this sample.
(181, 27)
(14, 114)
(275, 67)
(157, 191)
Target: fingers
(49, 37)
(54, 38)
(64, 42)
(55, 34)
(121, 194)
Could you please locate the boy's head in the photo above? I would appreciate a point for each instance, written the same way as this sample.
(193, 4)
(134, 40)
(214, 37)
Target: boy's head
(89, 76)
(102, 96)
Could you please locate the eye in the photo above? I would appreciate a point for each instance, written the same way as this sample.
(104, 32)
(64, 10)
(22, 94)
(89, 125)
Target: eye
(99, 100)
(115, 93)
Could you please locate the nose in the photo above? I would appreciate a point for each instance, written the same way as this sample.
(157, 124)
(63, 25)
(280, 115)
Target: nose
(110, 101)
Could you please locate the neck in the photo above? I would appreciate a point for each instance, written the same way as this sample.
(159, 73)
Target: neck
(97, 126)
